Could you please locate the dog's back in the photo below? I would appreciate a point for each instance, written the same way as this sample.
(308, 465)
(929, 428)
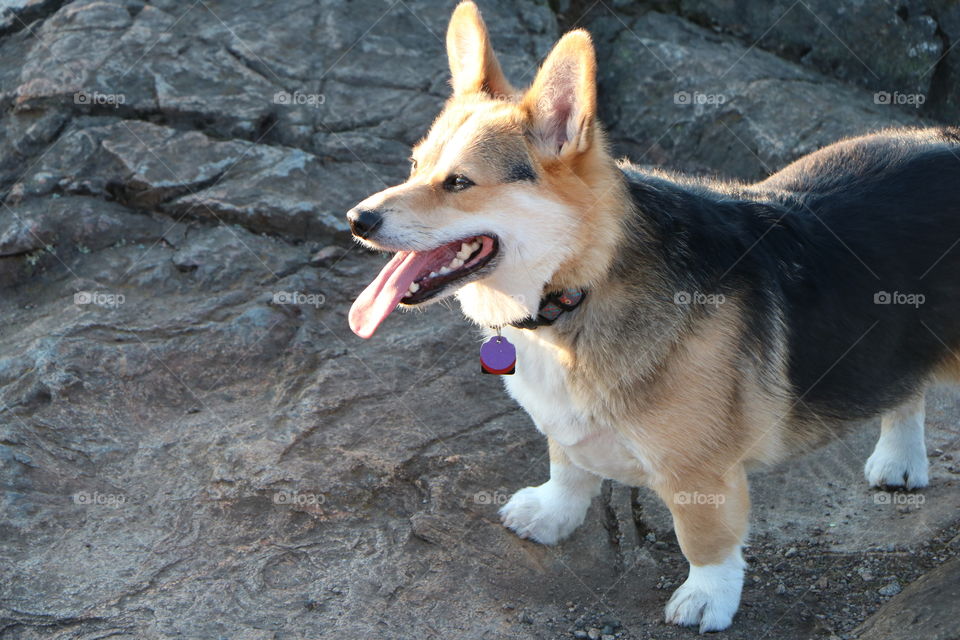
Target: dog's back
(873, 303)
(855, 249)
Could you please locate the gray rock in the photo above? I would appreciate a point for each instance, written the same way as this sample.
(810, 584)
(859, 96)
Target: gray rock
(680, 95)
(920, 611)
(910, 51)
(890, 589)
(899, 55)
(193, 444)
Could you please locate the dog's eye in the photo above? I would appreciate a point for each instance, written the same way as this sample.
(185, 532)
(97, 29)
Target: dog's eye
(456, 182)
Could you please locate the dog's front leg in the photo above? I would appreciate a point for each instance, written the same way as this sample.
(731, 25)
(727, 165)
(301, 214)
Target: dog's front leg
(550, 512)
(710, 516)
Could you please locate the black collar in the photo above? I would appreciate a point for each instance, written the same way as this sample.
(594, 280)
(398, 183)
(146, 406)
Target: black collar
(552, 306)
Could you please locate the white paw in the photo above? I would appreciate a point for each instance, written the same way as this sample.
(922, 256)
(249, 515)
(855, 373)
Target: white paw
(544, 514)
(890, 466)
(710, 596)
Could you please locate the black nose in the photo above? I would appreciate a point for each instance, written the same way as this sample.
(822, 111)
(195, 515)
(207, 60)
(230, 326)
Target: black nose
(364, 222)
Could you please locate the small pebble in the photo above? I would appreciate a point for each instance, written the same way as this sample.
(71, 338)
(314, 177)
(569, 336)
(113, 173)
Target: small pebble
(593, 633)
(651, 537)
(525, 618)
(325, 255)
(891, 589)
(792, 551)
(611, 622)
(781, 589)
(580, 633)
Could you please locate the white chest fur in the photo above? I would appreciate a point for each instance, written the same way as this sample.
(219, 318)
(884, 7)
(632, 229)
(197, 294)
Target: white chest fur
(542, 388)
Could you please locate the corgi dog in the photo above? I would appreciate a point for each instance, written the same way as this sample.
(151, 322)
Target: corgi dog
(672, 332)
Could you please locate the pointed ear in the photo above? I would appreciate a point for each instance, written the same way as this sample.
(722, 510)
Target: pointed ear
(473, 65)
(562, 103)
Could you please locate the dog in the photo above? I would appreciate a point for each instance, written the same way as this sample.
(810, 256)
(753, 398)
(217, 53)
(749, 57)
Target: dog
(717, 325)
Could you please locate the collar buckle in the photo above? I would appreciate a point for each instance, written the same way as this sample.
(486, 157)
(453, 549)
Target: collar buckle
(552, 306)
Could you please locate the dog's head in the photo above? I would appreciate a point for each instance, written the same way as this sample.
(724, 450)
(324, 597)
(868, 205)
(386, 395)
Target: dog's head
(501, 192)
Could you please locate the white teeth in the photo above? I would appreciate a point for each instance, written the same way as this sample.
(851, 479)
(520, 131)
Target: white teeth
(433, 274)
(445, 270)
(463, 255)
(464, 249)
(474, 246)
(414, 287)
(456, 263)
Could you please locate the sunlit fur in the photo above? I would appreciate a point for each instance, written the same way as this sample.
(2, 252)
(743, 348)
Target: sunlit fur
(682, 398)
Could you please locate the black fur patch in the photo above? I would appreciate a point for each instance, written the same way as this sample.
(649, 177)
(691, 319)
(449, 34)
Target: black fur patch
(856, 247)
(520, 172)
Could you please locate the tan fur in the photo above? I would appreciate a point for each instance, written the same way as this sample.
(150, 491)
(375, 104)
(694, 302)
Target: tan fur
(691, 418)
(710, 530)
(558, 455)
(682, 406)
(949, 370)
(473, 65)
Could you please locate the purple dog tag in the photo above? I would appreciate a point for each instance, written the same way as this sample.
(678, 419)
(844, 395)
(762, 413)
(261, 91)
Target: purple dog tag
(498, 357)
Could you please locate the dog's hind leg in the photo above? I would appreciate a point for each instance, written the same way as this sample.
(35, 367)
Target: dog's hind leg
(550, 512)
(710, 516)
(900, 457)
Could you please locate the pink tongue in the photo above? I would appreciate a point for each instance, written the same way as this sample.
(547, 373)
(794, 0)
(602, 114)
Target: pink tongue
(382, 295)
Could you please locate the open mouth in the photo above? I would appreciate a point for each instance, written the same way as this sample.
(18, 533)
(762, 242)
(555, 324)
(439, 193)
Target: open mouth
(413, 277)
(448, 264)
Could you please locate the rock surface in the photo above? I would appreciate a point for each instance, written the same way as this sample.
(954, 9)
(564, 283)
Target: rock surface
(918, 612)
(894, 48)
(193, 443)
